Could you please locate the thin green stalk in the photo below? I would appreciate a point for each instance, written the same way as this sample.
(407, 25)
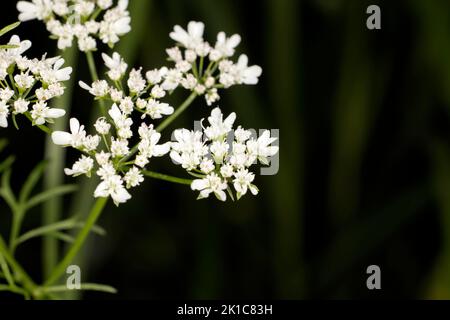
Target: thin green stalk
(54, 173)
(16, 226)
(177, 112)
(19, 272)
(94, 76)
(165, 177)
(79, 241)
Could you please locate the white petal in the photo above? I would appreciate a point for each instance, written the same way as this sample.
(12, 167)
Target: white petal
(55, 113)
(74, 125)
(84, 85)
(61, 138)
(162, 149)
(199, 184)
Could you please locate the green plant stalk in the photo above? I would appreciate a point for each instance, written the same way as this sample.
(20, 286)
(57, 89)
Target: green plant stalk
(19, 272)
(16, 226)
(177, 112)
(54, 174)
(165, 177)
(79, 241)
(94, 76)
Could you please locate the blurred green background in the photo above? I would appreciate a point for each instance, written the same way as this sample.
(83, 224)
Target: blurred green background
(364, 164)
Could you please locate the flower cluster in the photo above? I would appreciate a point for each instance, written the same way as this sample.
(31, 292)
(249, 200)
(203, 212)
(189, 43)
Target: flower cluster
(108, 152)
(28, 84)
(220, 156)
(203, 68)
(83, 20)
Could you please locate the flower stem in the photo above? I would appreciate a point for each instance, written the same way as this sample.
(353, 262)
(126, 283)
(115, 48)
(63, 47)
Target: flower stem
(177, 112)
(165, 177)
(94, 76)
(79, 241)
(54, 176)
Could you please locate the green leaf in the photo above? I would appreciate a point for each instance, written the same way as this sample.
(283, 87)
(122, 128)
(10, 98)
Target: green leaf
(6, 272)
(49, 194)
(6, 192)
(3, 144)
(31, 182)
(9, 28)
(84, 287)
(6, 164)
(54, 230)
(8, 46)
(62, 236)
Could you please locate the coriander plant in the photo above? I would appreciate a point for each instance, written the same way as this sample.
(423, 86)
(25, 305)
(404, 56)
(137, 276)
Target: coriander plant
(118, 148)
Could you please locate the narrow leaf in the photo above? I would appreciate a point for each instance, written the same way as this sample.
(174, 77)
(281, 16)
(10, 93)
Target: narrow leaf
(9, 28)
(49, 194)
(31, 182)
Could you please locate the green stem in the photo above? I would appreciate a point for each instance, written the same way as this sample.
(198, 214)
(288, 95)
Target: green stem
(177, 112)
(79, 241)
(16, 226)
(94, 76)
(165, 177)
(19, 272)
(54, 173)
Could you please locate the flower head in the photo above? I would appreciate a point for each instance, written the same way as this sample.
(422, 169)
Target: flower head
(86, 21)
(220, 157)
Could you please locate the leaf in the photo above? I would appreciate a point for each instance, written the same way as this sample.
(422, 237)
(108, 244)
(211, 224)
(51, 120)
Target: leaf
(3, 144)
(6, 164)
(62, 236)
(49, 194)
(31, 182)
(54, 228)
(6, 272)
(84, 287)
(8, 46)
(6, 192)
(9, 28)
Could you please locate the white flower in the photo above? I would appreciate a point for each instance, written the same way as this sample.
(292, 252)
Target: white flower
(21, 106)
(37, 9)
(119, 147)
(102, 126)
(246, 74)
(218, 127)
(262, 147)
(190, 38)
(112, 186)
(75, 138)
(4, 112)
(103, 158)
(243, 181)
(226, 46)
(83, 166)
(100, 88)
(212, 183)
(116, 65)
(156, 109)
(41, 113)
(136, 83)
(133, 178)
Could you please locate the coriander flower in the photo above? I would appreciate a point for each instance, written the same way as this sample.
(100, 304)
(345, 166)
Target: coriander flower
(121, 146)
(220, 157)
(29, 84)
(204, 69)
(85, 21)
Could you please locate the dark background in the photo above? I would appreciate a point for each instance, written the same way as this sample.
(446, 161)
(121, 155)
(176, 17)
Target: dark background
(364, 163)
